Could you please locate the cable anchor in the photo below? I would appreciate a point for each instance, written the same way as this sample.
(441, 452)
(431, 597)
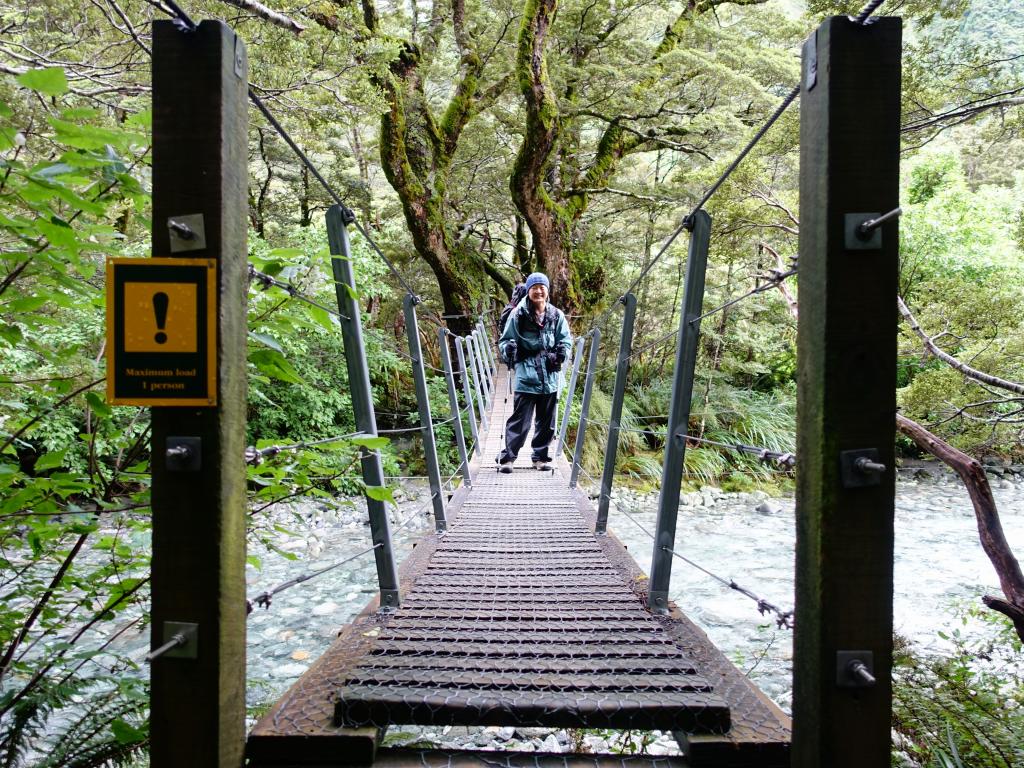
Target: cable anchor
(862, 230)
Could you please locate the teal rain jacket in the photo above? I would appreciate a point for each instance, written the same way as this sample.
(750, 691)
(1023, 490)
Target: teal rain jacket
(532, 376)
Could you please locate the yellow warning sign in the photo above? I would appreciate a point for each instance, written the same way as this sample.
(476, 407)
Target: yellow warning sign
(162, 331)
(160, 317)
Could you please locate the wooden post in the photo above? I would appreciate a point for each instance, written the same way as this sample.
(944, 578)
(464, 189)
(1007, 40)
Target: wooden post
(849, 172)
(200, 169)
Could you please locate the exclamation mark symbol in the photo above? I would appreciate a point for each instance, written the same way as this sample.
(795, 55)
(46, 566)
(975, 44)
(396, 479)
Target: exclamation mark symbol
(160, 302)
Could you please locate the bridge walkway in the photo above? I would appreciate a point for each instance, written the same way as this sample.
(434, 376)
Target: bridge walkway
(520, 616)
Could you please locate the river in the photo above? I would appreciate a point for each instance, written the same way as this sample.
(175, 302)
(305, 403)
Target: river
(938, 563)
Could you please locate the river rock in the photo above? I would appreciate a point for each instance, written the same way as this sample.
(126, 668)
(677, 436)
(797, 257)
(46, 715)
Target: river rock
(324, 609)
(532, 733)
(768, 508)
(550, 744)
(288, 670)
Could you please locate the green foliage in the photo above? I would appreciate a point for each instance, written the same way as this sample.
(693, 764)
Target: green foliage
(962, 271)
(964, 706)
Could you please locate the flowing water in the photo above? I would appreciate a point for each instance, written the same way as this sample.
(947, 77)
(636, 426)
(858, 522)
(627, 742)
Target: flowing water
(744, 537)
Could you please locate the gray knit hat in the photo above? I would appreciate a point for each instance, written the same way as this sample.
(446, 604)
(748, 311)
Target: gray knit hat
(537, 278)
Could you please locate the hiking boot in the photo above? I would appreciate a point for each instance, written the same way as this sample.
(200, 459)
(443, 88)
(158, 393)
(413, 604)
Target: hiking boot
(505, 467)
(542, 464)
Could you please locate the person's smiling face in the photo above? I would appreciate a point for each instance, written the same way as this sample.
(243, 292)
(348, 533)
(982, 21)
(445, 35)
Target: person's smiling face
(538, 293)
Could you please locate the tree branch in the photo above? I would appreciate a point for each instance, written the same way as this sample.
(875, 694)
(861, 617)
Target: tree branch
(267, 14)
(947, 358)
(990, 529)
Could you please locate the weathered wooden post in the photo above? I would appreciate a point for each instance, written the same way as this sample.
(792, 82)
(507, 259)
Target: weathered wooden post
(849, 175)
(200, 178)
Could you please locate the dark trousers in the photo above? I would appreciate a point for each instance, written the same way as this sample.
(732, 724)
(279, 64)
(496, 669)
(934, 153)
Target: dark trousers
(518, 425)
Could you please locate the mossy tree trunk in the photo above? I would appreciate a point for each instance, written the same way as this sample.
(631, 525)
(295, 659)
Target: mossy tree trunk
(417, 147)
(549, 187)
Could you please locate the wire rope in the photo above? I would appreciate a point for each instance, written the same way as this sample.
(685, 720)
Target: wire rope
(267, 280)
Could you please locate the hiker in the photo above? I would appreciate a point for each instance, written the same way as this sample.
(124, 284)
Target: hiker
(535, 343)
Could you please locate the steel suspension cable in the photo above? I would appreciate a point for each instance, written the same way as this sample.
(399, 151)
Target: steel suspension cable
(687, 221)
(347, 212)
(255, 456)
(868, 9)
(772, 282)
(264, 598)
(784, 619)
(268, 281)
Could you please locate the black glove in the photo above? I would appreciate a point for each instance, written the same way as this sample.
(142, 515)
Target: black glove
(511, 352)
(552, 362)
(560, 355)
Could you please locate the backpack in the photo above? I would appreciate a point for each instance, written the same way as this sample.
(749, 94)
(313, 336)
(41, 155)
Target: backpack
(517, 295)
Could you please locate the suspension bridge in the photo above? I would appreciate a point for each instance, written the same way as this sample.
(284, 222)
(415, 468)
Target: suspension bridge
(519, 614)
(521, 607)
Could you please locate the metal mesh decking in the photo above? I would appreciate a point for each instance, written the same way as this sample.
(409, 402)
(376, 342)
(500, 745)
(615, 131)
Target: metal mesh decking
(520, 619)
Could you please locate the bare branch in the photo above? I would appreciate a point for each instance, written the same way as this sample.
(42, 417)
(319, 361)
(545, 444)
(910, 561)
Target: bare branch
(947, 358)
(267, 14)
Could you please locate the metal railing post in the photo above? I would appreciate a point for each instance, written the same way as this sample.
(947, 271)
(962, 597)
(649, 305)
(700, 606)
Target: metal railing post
(491, 363)
(618, 395)
(419, 377)
(477, 385)
(338, 218)
(581, 342)
(468, 395)
(453, 400)
(588, 386)
(485, 368)
(679, 413)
